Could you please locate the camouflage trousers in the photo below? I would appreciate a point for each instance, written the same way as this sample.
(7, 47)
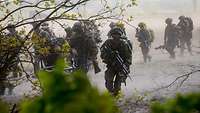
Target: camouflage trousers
(113, 81)
(182, 46)
(5, 84)
(37, 61)
(145, 53)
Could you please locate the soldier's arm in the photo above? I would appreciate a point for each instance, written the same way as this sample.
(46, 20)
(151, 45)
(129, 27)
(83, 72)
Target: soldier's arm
(104, 52)
(127, 53)
(93, 49)
(146, 35)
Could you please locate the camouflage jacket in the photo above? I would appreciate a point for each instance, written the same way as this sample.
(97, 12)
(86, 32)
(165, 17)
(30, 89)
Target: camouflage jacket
(122, 48)
(171, 34)
(85, 46)
(143, 36)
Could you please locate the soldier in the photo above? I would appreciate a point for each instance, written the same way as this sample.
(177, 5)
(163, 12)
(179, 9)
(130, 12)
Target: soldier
(13, 59)
(170, 37)
(185, 28)
(143, 36)
(36, 40)
(84, 48)
(45, 27)
(14, 34)
(116, 53)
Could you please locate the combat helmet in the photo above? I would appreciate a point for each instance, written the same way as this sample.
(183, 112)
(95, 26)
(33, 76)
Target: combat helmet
(77, 26)
(168, 21)
(142, 25)
(181, 17)
(45, 24)
(116, 30)
(10, 26)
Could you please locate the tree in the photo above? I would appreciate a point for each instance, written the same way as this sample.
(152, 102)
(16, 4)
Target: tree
(15, 12)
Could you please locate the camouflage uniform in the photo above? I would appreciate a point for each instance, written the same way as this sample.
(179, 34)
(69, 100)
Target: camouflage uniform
(185, 29)
(112, 74)
(117, 25)
(170, 38)
(84, 48)
(143, 36)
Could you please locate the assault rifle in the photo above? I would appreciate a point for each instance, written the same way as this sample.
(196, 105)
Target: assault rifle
(119, 64)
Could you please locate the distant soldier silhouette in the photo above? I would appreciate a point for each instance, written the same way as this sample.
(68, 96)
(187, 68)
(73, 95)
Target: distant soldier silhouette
(185, 29)
(170, 37)
(144, 38)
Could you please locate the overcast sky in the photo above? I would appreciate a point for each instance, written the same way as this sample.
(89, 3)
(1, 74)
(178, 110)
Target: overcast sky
(154, 6)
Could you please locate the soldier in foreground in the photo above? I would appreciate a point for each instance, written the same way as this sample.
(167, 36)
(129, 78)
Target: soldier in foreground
(144, 38)
(170, 37)
(116, 53)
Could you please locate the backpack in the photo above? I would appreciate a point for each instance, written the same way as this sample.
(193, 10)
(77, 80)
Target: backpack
(152, 36)
(190, 22)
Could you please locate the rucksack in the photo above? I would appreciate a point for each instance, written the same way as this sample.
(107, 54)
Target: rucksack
(190, 22)
(152, 36)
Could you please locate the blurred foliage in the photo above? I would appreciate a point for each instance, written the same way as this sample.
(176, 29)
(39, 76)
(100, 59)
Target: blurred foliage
(3, 107)
(68, 93)
(8, 43)
(9, 50)
(189, 103)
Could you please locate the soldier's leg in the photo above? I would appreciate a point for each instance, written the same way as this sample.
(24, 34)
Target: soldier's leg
(170, 50)
(96, 66)
(10, 87)
(148, 55)
(188, 43)
(144, 53)
(2, 87)
(36, 63)
(182, 47)
(173, 53)
(109, 78)
(117, 85)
